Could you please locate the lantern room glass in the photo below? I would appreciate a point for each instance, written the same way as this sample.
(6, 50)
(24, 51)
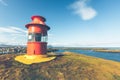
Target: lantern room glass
(44, 38)
(38, 37)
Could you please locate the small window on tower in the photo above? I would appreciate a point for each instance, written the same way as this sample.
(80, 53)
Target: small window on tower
(37, 37)
(31, 37)
(44, 38)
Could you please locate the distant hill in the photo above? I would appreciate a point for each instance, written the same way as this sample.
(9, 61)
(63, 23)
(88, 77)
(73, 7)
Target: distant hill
(6, 45)
(71, 66)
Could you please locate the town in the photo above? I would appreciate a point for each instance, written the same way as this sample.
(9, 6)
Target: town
(13, 49)
(20, 49)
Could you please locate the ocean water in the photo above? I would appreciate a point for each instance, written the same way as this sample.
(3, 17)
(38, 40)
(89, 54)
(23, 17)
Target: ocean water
(104, 55)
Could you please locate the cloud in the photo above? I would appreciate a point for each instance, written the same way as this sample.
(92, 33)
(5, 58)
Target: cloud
(85, 44)
(66, 44)
(18, 29)
(81, 8)
(13, 35)
(2, 2)
(14, 30)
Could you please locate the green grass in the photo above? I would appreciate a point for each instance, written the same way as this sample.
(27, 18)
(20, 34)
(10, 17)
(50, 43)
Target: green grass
(71, 66)
(107, 50)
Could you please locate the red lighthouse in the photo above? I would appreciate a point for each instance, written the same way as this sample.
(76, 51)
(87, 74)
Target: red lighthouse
(37, 36)
(37, 42)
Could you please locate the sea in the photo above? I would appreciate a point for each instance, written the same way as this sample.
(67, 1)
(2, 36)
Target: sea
(105, 55)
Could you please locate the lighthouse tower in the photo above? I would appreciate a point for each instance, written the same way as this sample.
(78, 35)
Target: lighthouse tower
(37, 36)
(37, 42)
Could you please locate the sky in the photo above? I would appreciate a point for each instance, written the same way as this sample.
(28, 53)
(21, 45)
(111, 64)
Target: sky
(73, 23)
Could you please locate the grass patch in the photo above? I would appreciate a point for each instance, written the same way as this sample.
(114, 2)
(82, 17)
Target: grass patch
(71, 66)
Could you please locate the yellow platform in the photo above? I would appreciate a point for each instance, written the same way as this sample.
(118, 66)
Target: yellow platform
(30, 59)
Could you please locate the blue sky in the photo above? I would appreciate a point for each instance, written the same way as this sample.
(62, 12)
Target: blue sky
(73, 22)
